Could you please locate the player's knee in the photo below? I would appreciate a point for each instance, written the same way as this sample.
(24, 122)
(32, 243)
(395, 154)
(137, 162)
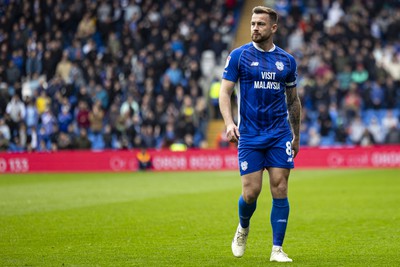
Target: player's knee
(280, 190)
(250, 196)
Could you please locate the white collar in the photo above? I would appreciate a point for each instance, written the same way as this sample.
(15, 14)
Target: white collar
(262, 50)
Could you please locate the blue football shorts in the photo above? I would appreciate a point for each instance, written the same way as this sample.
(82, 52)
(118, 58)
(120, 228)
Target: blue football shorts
(262, 151)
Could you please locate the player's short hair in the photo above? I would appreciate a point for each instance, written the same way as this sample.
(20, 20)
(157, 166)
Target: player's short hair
(273, 15)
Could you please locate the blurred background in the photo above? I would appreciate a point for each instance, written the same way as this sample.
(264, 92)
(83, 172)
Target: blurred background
(125, 74)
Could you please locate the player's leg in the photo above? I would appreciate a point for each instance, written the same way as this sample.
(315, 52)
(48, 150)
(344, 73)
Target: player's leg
(280, 204)
(279, 161)
(251, 164)
(251, 188)
(279, 212)
(251, 170)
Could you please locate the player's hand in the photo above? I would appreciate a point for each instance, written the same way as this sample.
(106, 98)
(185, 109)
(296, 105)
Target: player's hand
(295, 146)
(232, 133)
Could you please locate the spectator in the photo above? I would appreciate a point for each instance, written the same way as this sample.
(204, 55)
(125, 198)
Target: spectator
(114, 45)
(82, 141)
(314, 138)
(144, 159)
(42, 102)
(341, 61)
(296, 40)
(4, 98)
(4, 142)
(75, 76)
(214, 95)
(132, 11)
(75, 52)
(356, 129)
(48, 122)
(86, 27)
(367, 139)
(108, 137)
(96, 116)
(5, 130)
(22, 135)
(391, 95)
(33, 64)
(392, 66)
(32, 141)
(101, 96)
(130, 106)
(63, 68)
(352, 102)
(222, 141)
(217, 46)
(32, 115)
(202, 118)
(389, 121)
(83, 95)
(376, 130)
(15, 145)
(174, 74)
(335, 13)
(64, 141)
(148, 135)
(64, 119)
(360, 74)
(49, 64)
(344, 79)
(82, 115)
(392, 136)
(187, 109)
(324, 121)
(13, 73)
(16, 111)
(375, 95)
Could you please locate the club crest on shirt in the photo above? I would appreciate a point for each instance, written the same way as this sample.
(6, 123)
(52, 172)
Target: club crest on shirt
(279, 65)
(244, 165)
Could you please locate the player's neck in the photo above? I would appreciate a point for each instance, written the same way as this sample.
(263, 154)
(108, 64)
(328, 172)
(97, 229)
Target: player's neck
(265, 47)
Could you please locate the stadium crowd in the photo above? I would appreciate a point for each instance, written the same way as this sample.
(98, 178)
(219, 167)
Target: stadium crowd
(106, 74)
(348, 55)
(120, 74)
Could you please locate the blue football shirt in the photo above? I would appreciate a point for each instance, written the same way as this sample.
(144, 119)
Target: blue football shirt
(262, 77)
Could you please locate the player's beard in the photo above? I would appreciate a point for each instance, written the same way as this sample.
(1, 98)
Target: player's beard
(259, 38)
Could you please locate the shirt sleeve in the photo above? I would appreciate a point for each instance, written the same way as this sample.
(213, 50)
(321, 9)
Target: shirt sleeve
(231, 71)
(292, 77)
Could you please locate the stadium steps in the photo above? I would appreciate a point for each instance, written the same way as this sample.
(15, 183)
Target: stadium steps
(214, 129)
(242, 36)
(243, 31)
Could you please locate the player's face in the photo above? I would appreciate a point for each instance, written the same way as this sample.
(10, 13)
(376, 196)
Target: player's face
(261, 28)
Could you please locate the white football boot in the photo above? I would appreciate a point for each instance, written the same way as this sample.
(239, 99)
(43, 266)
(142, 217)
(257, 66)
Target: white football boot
(239, 241)
(278, 255)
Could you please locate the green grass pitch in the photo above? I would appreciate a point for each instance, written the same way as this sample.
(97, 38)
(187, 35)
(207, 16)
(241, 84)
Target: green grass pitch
(338, 218)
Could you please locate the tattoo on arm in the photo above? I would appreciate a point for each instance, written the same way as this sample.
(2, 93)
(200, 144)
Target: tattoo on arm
(294, 109)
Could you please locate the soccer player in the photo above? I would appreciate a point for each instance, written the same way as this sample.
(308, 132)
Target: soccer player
(268, 125)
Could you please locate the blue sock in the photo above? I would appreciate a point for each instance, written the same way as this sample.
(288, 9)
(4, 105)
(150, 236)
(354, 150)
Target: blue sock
(246, 211)
(279, 218)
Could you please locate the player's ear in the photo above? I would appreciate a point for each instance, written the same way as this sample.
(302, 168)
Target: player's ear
(274, 28)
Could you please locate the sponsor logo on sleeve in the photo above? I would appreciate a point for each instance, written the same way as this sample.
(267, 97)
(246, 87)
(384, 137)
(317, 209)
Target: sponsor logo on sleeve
(227, 61)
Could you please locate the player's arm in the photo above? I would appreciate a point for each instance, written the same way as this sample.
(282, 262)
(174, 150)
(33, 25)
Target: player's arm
(225, 106)
(294, 109)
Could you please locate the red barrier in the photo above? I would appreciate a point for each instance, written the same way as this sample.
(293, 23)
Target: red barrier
(349, 157)
(109, 161)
